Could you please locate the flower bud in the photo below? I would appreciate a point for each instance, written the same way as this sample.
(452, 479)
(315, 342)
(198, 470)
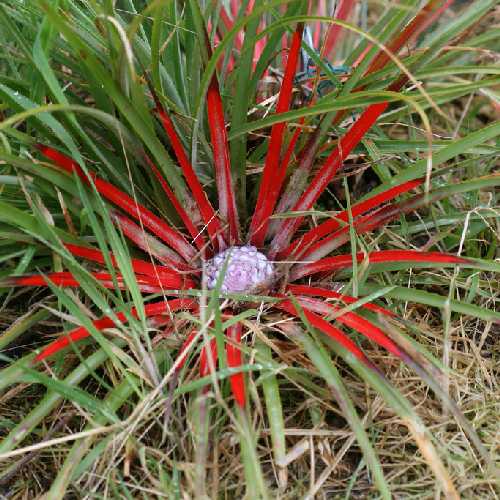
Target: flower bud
(247, 270)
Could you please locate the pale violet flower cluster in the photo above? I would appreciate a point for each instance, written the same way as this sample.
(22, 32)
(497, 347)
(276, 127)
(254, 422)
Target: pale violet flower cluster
(247, 269)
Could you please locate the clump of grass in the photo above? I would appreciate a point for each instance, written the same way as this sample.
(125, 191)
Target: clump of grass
(140, 141)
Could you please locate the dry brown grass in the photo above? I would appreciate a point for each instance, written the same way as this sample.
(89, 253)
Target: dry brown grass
(323, 456)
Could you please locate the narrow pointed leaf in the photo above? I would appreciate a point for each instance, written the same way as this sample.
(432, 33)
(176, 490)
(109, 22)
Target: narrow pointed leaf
(274, 170)
(223, 177)
(207, 212)
(326, 174)
(205, 363)
(330, 264)
(158, 308)
(66, 279)
(342, 12)
(331, 294)
(138, 265)
(346, 145)
(357, 209)
(198, 238)
(327, 328)
(234, 360)
(356, 322)
(159, 227)
(148, 243)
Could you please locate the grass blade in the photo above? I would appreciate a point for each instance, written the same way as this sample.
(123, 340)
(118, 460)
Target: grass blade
(274, 409)
(333, 378)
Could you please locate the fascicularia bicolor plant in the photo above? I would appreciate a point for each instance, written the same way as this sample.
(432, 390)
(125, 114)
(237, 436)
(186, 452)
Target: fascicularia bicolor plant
(275, 272)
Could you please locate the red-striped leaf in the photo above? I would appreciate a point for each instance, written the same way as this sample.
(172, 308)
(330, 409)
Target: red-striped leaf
(361, 225)
(326, 174)
(223, 178)
(316, 30)
(377, 335)
(148, 243)
(345, 261)
(299, 179)
(198, 238)
(66, 279)
(229, 24)
(139, 266)
(370, 222)
(234, 360)
(207, 212)
(274, 172)
(166, 307)
(298, 247)
(426, 16)
(328, 329)
(350, 139)
(156, 225)
(356, 322)
(418, 25)
(205, 364)
(219, 35)
(342, 12)
(331, 294)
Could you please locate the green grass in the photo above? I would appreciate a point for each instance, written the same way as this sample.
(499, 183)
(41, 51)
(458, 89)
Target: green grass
(112, 415)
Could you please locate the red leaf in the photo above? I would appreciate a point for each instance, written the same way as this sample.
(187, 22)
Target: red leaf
(62, 161)
(361, 225)
(345, 261)
(370, 222)
(183, 351)
(328, 329)
(356, 322)
(274, 173)
(342, 12)
(331, 294)
(148, 243)
(208, 350)
(326, 174)
(218, 36)
(235, 6)
(234, 360)
(207, 212)
(426, 16)
(148, 284)
(373, 220)
(418, 24)
(198, 238)
(139, 266)
(300, 245)
(338, 238)
(159, 227)
(299, 179)
(291, 146)
(223, 179)
(159, 308)
(353, 136)
(229, 24)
